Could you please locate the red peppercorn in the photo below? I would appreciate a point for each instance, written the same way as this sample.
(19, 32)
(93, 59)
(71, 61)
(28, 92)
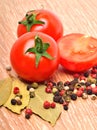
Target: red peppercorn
(62, 92)
(81, 88)
(53, 105)
(94, 90)
(65, 103)
(16, 90)
(28, 111)
(89, 88)
(46, 105)
(82, 77)
(76, 75)
(48, 90)
(93, 75)
(79, 93)
(50, 85)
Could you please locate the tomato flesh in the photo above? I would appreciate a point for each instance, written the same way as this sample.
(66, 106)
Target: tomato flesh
(52, 24)
(24, 63)
(78, 52)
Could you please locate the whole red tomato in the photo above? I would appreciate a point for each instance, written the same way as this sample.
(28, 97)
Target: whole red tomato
(41, 21)
(35, 56)
(78, 52)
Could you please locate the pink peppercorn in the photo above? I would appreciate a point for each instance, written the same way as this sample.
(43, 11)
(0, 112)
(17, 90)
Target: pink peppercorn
(28, 111)
(94, 90)
(46, 105)
(53, 105)
(16, 90)
(48, 90)
(62, 92)
(79, 93)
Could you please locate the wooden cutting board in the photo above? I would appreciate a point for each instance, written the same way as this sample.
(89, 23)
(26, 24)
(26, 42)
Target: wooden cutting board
(77, 16)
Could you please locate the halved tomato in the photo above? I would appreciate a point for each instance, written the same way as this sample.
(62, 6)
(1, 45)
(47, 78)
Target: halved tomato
(78, 52)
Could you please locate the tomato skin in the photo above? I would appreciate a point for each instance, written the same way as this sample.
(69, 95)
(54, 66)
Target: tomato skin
(52, 26)
(24, 63)
(78, 52)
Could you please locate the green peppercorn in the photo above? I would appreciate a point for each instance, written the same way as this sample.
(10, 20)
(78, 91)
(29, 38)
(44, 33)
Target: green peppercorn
(54, 90)
(67, 98)
(35, 85)
(32, 94)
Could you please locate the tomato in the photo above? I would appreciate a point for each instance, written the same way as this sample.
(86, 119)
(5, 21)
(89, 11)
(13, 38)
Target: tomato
(34, 56)
(78, 52)
(41, 21)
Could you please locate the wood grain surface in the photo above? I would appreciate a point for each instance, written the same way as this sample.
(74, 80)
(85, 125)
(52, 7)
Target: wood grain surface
(77, 16)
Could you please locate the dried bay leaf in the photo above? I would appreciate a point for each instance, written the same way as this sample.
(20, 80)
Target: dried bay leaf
(25, 97)
(5, 90)
(36, 104)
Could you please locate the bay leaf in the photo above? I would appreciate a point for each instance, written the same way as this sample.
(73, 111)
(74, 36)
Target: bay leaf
(25, 97)
(5, 90)
(36, 104)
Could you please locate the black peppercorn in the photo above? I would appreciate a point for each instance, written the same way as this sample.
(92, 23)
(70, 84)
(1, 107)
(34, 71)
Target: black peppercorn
(89, 92)
(13, 101)
(61, 101)
(86, 74)
(65, 107)
(57, 93)
(28, 87)
(73, 96)
(57, 98)
(27, 116)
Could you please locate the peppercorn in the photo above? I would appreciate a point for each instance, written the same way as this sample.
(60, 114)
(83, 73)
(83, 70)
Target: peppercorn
(93, 96)
(48, 90)
(8, 68)
(16, 90)
(60, 85)
(76, 75)
(54, 90)
(32, 94)
(19, 102)
(62, 92)
(31, 90)
(13, 101)
(67, 98)
(79, 93)
(61, 101)
(89, 91)
(28, 111)
(28, 87)
(53, 105)
(66, 88)
(46, 105)
(74, 81)
(57, 93)
(65, 107)
(27, 116)
(84, 95)
(74, 96)
(35, 85)
(67, 83)
(94, 90)
(56, 98)
(86, 74)
(87, 84)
